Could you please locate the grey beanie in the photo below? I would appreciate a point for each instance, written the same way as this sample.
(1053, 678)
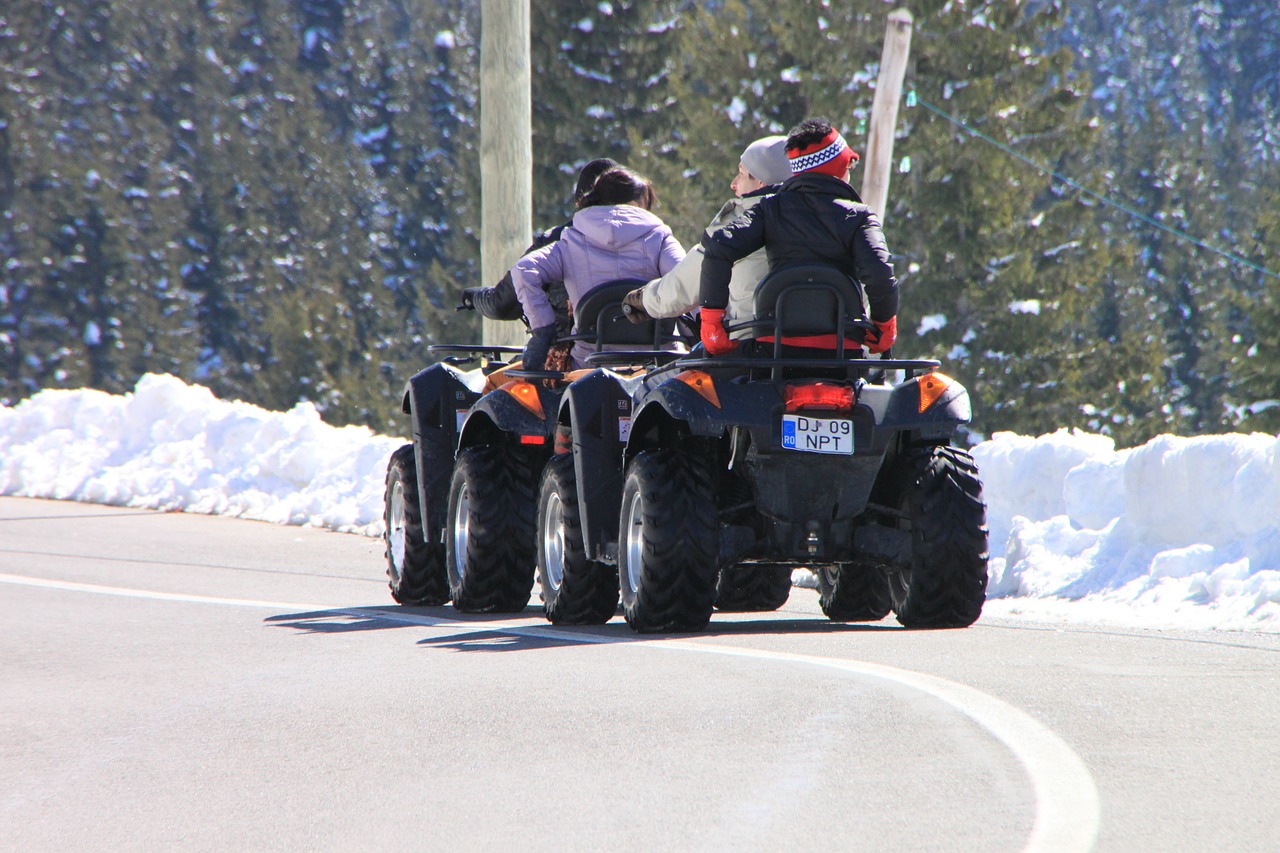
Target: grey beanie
(766, 159)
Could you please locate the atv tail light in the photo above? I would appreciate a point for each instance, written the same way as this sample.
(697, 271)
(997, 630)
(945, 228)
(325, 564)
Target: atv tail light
(526, 394)
(828, 396)
(932, 385)
(533, 439)
(702, 383)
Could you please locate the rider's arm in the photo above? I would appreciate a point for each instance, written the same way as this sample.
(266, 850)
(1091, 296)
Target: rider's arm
(531, 274)
(721, 248)
(872, 260)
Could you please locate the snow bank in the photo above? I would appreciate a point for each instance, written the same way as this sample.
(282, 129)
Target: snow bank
(172, 446)
(1181, 532)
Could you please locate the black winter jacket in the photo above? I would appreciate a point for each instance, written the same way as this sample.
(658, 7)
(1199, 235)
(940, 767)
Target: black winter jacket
(812, 218)
(499, 302)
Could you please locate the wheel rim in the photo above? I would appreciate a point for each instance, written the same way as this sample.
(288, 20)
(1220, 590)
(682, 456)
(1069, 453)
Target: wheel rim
(633, 542)
(461, 521)
(553, 541)
(396, 527)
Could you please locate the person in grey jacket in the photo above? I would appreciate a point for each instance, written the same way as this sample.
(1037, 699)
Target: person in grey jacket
(614, 236)
(499, 301)
(763, 165)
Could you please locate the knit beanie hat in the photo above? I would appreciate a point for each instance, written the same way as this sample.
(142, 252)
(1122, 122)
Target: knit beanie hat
(830, 155)
(766, 159)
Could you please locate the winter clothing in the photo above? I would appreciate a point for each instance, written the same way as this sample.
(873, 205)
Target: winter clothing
(830, 155)
(813, 217)
(604, 243)
(766, 159)
(535, 351)
(711, 332)
(499, 302)
(677, 292)
(887, 334)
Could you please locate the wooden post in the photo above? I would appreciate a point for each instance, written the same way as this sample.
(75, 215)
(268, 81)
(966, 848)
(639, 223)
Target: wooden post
(884, 111)
(506, 149)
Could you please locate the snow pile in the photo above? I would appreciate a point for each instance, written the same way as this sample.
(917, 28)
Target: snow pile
(1181, 532)
(172, 446)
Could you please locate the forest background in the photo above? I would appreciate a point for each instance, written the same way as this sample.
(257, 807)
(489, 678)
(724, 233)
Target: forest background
(279, 199)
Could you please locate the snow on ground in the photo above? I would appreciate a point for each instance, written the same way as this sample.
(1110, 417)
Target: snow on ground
(1180, 533)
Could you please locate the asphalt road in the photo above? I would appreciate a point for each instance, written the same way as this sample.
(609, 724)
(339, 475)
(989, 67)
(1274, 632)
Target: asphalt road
(174, 682)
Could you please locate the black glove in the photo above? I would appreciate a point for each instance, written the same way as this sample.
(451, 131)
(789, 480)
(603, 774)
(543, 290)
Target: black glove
(469, 298)
(633, 306)
(535, 352)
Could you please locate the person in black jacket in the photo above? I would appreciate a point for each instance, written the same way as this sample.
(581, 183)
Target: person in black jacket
(499, 302)
(814, 217)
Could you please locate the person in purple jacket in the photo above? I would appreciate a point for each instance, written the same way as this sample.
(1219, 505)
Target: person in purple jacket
(613, 236)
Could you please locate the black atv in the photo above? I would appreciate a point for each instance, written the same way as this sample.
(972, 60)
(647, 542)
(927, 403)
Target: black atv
(461, 498)
(705, 481)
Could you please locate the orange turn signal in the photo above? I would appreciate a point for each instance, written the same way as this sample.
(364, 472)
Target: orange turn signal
(702, 383)
(932, 386)
(526, 394)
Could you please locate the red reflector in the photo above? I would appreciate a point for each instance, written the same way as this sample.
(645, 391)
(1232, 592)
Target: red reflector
(533, 439)
(818, 395)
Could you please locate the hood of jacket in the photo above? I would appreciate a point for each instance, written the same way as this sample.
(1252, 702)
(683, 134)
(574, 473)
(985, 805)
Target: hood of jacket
(612, 226)
(815, 183)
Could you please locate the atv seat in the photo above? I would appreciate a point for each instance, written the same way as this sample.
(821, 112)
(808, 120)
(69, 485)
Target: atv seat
(811, 305)
(600, 320)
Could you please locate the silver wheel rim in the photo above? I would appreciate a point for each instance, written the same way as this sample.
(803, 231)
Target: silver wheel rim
(461, 521)
(553, 542)
(395, 527)
(633, 545)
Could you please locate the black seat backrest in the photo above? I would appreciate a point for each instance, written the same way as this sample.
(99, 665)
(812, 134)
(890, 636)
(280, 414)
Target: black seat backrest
(808, 299)
(600, 320)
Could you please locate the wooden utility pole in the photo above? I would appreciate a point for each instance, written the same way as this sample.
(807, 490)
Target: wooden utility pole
(884, 111)
(506, 149)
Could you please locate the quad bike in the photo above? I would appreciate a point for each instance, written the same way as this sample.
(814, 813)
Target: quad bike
(461, 497)
(702, 482)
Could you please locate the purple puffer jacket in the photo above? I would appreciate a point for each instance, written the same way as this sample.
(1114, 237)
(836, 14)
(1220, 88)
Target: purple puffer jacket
(604, 243)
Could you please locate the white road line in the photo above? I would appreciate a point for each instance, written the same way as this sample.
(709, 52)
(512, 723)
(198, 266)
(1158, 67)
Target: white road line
(1067, 805)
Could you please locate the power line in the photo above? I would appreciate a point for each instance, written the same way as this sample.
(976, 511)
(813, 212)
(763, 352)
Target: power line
(912, 98)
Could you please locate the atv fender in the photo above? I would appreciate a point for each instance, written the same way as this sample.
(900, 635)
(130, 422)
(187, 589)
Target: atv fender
(500, 416)
(436, 399)
(903, 408)
(597, 411)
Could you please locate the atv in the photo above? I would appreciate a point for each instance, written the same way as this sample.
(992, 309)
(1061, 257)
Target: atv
(702, 482)
(460, 498)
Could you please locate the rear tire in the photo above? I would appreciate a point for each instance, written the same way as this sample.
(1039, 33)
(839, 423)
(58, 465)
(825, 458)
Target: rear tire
(415, 557)
(489, 540)
(747, 588)
(945, 584)
(575, 590)
(854, 592)
(667, 542)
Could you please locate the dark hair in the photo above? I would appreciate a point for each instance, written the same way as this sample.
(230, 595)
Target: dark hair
(807, 132)
(588, 175)
(621, 186)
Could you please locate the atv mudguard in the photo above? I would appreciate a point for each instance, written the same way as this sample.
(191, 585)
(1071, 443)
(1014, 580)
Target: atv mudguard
(597, 411)
(499, 417)
(436, 399)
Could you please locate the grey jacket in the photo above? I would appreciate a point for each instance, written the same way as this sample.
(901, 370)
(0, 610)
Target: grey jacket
(676, 292)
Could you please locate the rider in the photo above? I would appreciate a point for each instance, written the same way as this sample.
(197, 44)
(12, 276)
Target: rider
(499, 302)
(816, 216)
(613, 236)
(763, 166)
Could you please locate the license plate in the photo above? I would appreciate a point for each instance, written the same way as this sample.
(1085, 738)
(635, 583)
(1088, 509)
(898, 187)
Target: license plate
(817, 435)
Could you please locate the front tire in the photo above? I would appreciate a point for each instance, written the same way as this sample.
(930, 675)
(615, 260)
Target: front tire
(489, 541)
(945, 584)
(667, 542)
(853, 592)
(747, 588)
(575, 590)
(415, 556)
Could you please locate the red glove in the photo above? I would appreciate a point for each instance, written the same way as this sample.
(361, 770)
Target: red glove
(888, 334)
(713, 335)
